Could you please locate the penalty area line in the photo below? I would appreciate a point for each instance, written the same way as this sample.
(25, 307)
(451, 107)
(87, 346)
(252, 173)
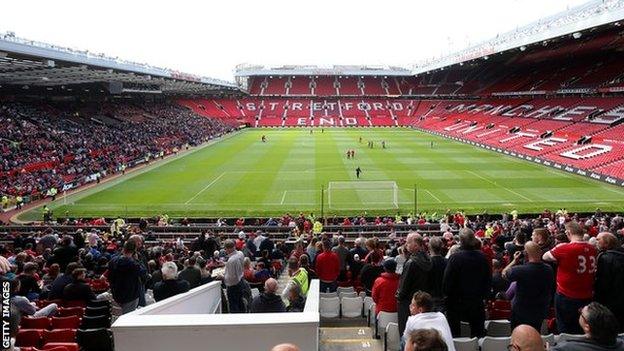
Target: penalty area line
(502, 187)
(205, 188)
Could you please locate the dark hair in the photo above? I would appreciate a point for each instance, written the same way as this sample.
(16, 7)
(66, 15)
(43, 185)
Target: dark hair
(436, 245)
(467, 239)
(423, 300)
(77, 272)
(427, 340)
(603, 326)
(130, 246)
(70, 267)
(542, 233)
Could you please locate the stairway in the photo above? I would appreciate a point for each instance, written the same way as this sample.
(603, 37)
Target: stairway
(348, 338)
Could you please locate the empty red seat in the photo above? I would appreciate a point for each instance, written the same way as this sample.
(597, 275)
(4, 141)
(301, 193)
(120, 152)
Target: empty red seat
(59, 335)
(75, 303)
(500, 314)
(69, 322)
(28, 338)
(501, 305)
(58, 346)
(35, 323)
(70, 311)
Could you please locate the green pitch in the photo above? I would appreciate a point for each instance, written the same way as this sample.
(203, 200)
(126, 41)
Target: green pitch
(241, 176)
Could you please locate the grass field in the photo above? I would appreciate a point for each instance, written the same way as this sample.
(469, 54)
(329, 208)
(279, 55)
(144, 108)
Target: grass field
(241, 176)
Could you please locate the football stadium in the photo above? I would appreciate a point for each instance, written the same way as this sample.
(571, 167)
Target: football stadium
(469, 201)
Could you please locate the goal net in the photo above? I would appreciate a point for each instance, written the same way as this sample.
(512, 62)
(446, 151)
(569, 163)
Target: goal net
(362, 195)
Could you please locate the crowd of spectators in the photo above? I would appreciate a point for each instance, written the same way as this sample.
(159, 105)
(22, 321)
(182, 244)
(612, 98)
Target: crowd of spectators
(45, 146)
(554, 261)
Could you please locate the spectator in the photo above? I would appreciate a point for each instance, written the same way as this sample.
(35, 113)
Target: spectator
(296, 302)
(268, 301)
(526, 338)
(65, 253)
(29, 285)
(425, 340)
(415, 276)
(576, 268)
(601, 331)
(171, 285)
(610, 276)
(26, 307)
(285, 347)
(343, 253)
(61, 281)
(298, 278)
(233, 277)
(78, 289)
(327, 268)
(385, 288)
(124, 276)
(423, 316)
(533, 287)
(438, 265)
(466, 284)
(191, 273)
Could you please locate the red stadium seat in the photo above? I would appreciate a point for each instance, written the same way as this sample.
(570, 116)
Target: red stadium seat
(75, 303)
(70, 322)
(59, 335)
(70, 311)
(69, 346)
(29, 338)
(35, 323)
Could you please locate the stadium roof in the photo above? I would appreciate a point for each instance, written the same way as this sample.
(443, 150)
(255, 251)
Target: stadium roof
(256, 70)
(29, 64)
(571, 22)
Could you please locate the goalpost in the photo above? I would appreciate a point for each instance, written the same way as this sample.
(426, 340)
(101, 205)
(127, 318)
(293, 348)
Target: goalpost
(362, 194)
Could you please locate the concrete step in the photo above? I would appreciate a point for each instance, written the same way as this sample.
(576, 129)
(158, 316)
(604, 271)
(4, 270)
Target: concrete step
(346, 333)
(348, 339)
(351, 345)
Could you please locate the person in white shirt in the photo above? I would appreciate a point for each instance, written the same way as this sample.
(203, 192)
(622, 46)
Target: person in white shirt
(233, 277)
(422, 318)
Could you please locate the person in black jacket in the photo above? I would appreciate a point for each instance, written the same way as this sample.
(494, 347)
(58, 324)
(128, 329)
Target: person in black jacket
(124, 275)
(610, 276)
(438, 265)
(65, 253)
(467, 282)
(415, 276)
(191, 273)
(268, 301)
(78, 289)
(170, 285)
(59, 284)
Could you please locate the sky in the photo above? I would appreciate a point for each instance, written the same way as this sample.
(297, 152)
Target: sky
(209, 38)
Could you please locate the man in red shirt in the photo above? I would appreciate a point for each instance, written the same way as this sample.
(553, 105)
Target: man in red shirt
(385, 288)
(576, 269)
(327, 268)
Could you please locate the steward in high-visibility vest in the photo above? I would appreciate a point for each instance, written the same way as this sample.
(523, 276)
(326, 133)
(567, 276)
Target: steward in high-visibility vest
(298, 277)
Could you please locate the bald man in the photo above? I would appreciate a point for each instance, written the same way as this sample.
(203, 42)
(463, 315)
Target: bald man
(268, 301)
(610, 276)
(534, 286)
(526, 338)
(285, 347)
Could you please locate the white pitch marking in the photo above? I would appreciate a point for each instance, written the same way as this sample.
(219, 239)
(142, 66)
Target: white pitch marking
(435, 197)
(206, 187)
(283, 197)
(502, 187)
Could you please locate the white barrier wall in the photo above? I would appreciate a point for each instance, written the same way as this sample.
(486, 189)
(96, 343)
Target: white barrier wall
(193, 321)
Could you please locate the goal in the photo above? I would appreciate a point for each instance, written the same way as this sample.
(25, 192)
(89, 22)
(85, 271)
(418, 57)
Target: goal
(362, 195)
